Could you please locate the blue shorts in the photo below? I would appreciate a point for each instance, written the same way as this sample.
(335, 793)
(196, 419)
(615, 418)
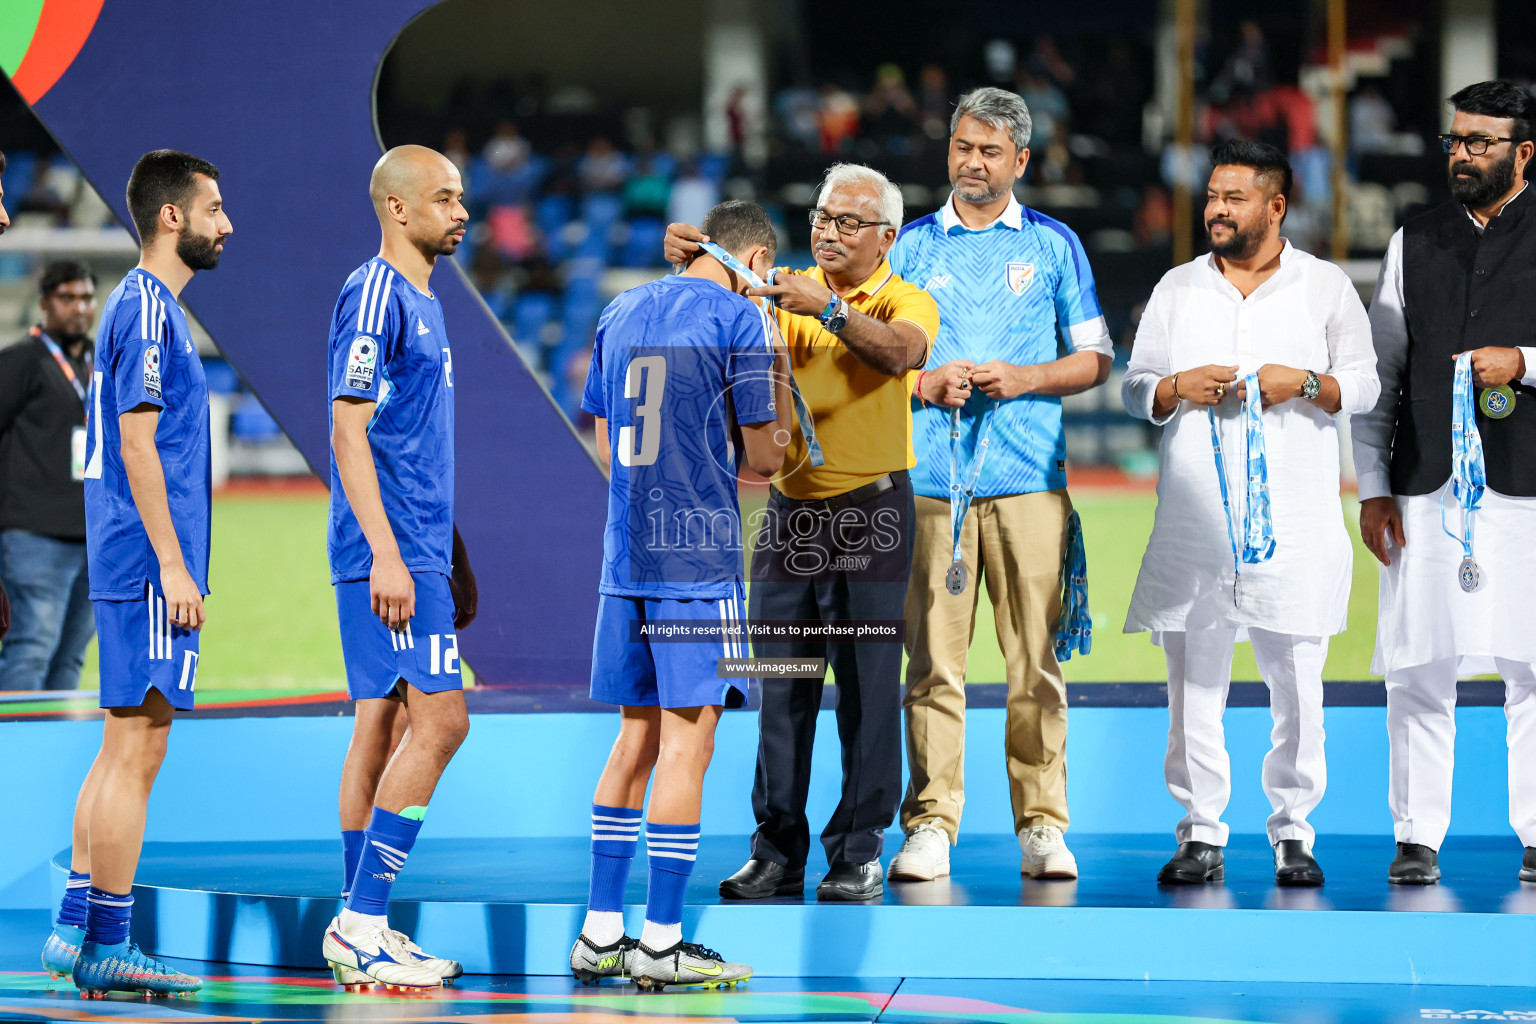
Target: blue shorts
(424, 654)
(140, 650)
(631, 671)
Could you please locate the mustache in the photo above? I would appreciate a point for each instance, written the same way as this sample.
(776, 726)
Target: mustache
(1225, 222)
(1469, 169)
(831, 247)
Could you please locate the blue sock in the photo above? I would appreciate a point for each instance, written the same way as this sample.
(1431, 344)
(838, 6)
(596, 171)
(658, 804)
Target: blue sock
(72, 908)
(671, 850)
(386, 844)
(615, 834)
(351, 853)
(107, 917)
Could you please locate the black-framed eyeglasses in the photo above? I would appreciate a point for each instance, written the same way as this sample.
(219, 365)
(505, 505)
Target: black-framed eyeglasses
(847, 224)
(1475, 145)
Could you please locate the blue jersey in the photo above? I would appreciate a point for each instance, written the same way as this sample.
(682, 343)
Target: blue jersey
(145, 357)
(1015, 290)
(389, 346)
(667, 357)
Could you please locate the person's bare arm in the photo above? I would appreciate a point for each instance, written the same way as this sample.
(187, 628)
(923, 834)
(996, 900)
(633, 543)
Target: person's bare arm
(391, 589)
(1068, 375)
(603, 454)
(764, 444)
(462, 585)
(891, 348)
(146, 481)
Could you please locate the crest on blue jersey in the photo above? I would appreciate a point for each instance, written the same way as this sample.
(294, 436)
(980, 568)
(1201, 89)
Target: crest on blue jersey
(361, 361)
(152, 371)
(1018, 276)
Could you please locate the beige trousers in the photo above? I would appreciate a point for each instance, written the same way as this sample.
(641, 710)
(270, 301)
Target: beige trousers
(1013, 545)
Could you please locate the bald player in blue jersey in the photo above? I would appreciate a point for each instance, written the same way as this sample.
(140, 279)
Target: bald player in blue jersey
(1014, 289)
(402, 578)
(148, 500)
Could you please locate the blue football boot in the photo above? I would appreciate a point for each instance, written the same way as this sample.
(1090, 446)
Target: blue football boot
(123, 967)
(62, 950)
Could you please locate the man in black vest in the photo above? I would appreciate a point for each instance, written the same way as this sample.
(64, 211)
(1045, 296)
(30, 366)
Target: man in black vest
(1458, 598)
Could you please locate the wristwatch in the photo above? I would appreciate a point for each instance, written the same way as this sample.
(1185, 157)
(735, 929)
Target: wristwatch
(835, 317)
(1312, 387)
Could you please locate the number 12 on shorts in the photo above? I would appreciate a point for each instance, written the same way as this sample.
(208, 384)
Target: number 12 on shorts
(445, 653)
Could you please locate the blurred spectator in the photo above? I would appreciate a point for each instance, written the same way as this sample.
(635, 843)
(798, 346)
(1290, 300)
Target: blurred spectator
(1247, 68)
(890, 115)
(1154, 218)
(456, 148)
(838, 117)
(40, 197)
(1047, 106)
(1046, 60)
(507, 149)
(799, 120)
(1372, 122)
(693, 195)
(603, 168)
(648, 189)
(736, 119)
(1000, 59)
(43, 388)
(934, 101)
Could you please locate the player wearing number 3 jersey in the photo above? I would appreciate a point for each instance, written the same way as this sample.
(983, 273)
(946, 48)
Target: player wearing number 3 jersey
(403, 585)
(679, 366)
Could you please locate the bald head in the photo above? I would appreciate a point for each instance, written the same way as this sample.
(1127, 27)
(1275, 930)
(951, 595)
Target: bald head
(417, 193)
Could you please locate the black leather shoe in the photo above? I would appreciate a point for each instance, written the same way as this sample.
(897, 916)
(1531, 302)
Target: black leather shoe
(1192, 864)
(758, 879)
(849, 881)
(1528, 866)
(1414, 865)
(1295, 865)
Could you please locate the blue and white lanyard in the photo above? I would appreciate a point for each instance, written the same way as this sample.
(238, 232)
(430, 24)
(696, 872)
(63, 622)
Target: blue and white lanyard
(960, 496)
(1258, 526)
(802, 412)
(1469, 474)
(1074, 630)
(69, 371)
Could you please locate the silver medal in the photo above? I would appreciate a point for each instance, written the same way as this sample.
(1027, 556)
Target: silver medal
(955, 578)
(1469, 575)
(1237, 591)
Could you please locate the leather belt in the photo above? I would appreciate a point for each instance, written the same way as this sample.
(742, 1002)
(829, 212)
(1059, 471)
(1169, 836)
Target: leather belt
(838, 502)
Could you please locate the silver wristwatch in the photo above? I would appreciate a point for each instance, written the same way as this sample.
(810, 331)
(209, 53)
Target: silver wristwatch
(1313, 386)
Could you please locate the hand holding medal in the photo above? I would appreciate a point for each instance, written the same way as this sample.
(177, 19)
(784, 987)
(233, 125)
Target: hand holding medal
(1493, 370)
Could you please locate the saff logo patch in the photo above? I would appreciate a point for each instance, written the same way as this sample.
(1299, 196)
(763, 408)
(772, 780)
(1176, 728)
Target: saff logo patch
(152, 371)
(361, 362)
(1018, 276)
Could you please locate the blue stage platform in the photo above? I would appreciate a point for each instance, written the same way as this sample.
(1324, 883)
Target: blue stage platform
(513, 906)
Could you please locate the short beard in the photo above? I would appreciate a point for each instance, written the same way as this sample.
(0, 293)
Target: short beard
(1240, 246)
(198, 252)
(988, 195)
(1484, 187)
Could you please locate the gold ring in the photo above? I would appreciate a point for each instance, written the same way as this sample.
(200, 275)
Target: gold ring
(1221, 389)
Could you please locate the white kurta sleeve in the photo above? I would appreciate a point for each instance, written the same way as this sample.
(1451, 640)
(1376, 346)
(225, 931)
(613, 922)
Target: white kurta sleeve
(1373, 429)
(1351, 356)
(1150, 361)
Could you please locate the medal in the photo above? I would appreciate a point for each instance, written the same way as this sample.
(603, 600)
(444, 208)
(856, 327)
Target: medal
(960, 495)
(1469, 474)
(954, 580)
(1498, 402)
(1237, 591)
(1469, 575)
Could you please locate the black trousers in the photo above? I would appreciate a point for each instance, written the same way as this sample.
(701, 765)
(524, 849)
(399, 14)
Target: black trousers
(813, 564)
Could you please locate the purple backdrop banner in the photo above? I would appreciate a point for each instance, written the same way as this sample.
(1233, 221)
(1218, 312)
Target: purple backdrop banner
(279, 94)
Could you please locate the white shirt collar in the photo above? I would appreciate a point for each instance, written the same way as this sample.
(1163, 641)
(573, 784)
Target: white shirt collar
(1479, 227)
(1012, 216)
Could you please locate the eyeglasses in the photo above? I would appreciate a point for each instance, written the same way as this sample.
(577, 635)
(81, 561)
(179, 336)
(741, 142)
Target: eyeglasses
(1475, 145)
(847, 224)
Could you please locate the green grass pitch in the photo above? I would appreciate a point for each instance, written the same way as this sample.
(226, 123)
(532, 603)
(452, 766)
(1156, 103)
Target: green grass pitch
(272, 617)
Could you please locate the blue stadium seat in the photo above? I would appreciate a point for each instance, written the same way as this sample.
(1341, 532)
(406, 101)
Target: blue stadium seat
(601, 210)
(643, 246)
(222, 378)
(550, 216)
(251, 421)
(714, 166)
(529, 315)
(19, 168)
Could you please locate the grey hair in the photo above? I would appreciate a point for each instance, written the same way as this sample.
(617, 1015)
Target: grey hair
(995, 108)
(889, 195)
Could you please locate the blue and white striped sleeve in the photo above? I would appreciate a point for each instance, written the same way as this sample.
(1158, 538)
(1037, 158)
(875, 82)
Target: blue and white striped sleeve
(1077, 300)
(138, 350)
(364, 334)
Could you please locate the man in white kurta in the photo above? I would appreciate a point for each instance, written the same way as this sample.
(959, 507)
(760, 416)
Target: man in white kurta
(1254, 305)
(1481, 250)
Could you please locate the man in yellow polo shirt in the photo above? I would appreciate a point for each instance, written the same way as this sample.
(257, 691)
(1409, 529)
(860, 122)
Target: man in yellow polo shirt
(835, 545)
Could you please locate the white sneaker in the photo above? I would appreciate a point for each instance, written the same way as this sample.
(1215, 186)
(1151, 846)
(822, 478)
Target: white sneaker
(442, 967)
(1046, 854)
(923, 857)
(378, 956)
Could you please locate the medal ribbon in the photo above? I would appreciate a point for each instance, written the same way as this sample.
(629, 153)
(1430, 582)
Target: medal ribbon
(960, 497)
(802, 411)
(1258, 527)
(1469, 474)
(1074, 630)
(69, 371)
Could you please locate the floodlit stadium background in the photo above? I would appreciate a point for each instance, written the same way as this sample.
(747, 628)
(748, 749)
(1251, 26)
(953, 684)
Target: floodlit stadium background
(584, 127)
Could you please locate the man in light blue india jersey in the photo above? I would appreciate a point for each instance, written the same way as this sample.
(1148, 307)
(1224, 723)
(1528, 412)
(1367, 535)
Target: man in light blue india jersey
(1014, 290)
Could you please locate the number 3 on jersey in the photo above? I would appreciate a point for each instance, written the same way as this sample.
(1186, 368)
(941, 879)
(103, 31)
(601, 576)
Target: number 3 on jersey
(645, 379)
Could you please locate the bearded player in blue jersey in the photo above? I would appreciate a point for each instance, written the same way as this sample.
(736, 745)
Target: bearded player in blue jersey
(147, 505)
(402, 579)
(679, 366)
